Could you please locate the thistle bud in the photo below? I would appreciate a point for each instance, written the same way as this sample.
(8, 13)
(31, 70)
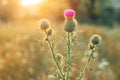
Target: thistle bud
(44, 24)
(90, 46)
(95, 39)
(49, 32)
(70, 25)
(58, 57)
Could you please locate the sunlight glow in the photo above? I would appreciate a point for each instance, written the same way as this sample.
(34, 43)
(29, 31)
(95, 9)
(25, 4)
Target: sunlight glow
(30, 2)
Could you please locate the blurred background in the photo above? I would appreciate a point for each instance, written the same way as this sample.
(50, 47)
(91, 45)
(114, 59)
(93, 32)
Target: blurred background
(24, 55)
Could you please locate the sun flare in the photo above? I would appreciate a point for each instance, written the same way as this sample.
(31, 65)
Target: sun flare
(30, 2)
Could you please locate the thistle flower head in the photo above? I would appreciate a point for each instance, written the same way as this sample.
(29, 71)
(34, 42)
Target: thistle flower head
(95, 39)
(69, 13)
(44, 24)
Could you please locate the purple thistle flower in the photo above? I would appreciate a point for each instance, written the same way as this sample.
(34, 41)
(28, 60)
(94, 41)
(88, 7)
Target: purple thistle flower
(69, 13)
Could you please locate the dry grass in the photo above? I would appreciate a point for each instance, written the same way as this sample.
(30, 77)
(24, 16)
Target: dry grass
(24, 55)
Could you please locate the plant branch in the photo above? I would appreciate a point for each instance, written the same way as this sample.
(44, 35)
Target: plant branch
(54, 57)
(87, 64)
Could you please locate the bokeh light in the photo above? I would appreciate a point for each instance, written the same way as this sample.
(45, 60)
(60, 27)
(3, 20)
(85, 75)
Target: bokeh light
(31, 2)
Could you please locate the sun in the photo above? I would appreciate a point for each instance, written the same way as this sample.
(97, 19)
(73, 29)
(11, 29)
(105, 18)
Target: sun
(31, 2)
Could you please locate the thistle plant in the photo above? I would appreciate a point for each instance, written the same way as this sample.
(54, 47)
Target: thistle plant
(70, 25)
(45, 26)
(94, 41)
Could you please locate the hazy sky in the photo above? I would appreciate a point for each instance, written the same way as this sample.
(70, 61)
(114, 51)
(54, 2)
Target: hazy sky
(116, 3)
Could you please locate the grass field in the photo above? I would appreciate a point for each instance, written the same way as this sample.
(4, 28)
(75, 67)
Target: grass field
(24, 55)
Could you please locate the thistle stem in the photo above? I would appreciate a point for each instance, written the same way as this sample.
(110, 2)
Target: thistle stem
(69, 56)
(54, 57)
(87, 64)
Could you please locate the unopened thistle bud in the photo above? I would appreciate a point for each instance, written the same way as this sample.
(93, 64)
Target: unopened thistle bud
(44, 24)
(70, 22)
(49, 32)
(59, 57)
(90, 46)
(95, 39)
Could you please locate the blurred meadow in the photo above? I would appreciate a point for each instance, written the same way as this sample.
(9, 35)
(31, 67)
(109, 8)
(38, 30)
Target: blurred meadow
(24, 54)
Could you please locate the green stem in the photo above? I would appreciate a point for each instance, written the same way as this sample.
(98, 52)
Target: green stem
(69, 56)
(54, 57)
(87, 64)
